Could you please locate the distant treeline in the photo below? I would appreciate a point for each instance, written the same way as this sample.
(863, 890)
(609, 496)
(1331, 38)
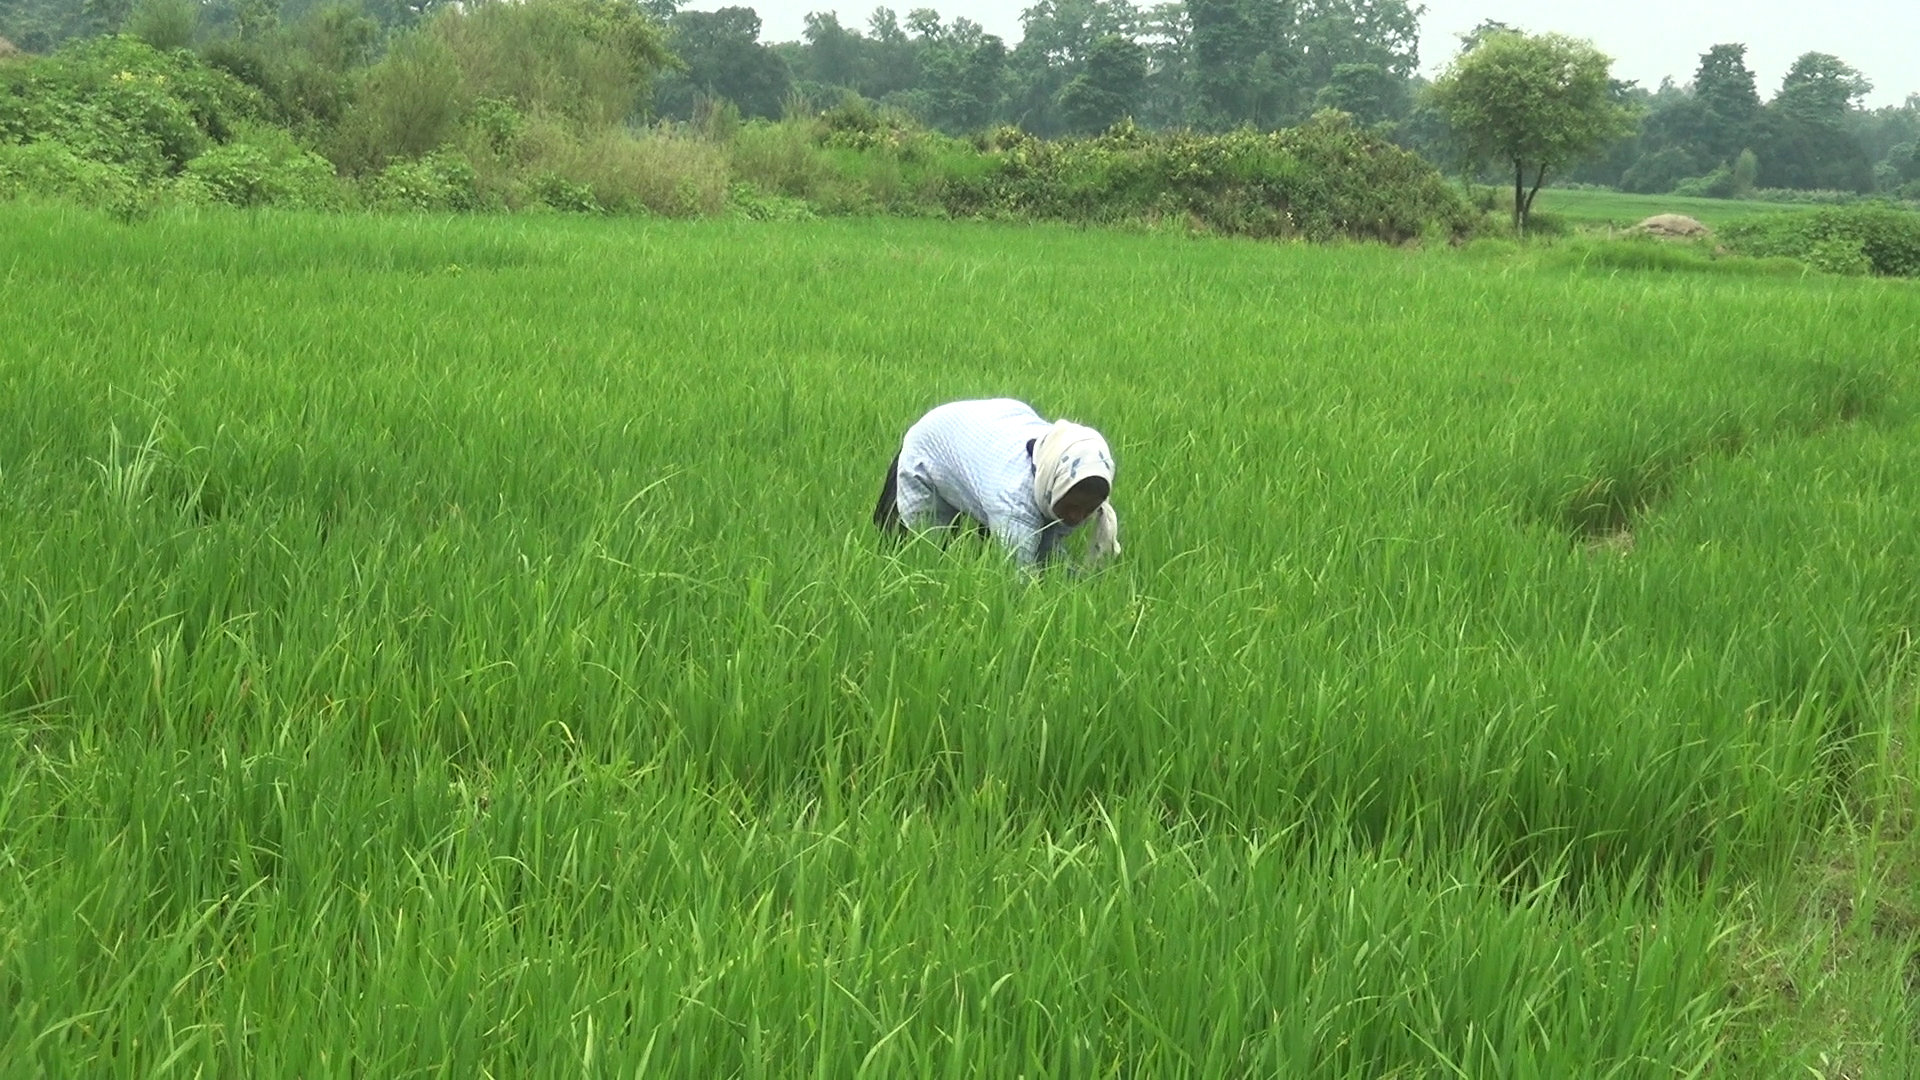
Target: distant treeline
(1715, 135)
(1079, 67)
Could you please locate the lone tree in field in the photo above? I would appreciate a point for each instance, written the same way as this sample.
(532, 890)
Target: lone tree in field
(1541, 102)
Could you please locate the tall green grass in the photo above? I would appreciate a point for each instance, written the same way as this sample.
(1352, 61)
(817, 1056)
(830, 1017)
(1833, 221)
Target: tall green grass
(454, 645)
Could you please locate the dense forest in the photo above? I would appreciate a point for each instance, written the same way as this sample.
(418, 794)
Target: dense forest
(1081, 66)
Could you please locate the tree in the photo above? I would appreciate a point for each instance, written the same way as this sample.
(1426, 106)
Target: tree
(893, 59)
(725, 59)
(1803, 134)
(1537, 103)
(1241, 60)
(1108, 89)
(1165, 33)
(1368, 92)
(1057, 39)
(961, 67)
(833, 51)
(1820, 89)
(1337, 41)
(1724, 89)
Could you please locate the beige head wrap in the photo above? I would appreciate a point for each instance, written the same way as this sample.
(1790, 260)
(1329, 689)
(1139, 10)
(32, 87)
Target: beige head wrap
(1067, 454)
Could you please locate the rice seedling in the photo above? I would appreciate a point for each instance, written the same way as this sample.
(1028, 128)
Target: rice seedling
(457, 645)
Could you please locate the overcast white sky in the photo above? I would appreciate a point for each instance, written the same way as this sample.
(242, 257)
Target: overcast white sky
(1648, 39)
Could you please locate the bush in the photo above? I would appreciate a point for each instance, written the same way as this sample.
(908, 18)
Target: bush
(783, 159)
(165, 24)
(1842, 239)
(409, 104)
(437, 182)
(1718, 184)
(1322, 180)
(247, 175)
(590, 61)
(1660, 172)
(50, 170)
(1805, 196)
(744, 200)
(663, 174)
(556, 192)
(120, 101)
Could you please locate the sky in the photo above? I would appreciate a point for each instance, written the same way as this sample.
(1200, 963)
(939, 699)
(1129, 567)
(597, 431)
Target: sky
(1648, 39)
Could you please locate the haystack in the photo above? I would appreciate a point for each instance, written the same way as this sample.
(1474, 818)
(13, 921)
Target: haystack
(1674, 226)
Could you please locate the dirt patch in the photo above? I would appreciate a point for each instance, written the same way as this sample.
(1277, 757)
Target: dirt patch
(1672, 227)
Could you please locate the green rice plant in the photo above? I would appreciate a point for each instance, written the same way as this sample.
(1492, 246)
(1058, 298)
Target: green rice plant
(456, 644)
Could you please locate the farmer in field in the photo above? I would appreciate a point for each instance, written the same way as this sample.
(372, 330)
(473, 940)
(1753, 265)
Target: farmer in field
(997, 463)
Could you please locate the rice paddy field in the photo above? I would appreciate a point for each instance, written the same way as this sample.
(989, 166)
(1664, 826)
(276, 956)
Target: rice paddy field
(459, 648)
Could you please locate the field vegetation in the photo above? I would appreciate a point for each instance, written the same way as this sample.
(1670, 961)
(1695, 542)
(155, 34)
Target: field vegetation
(454, 645)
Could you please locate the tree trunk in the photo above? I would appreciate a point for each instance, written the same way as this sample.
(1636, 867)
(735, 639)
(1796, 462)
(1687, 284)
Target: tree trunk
(1526, 214)
(1519, 211)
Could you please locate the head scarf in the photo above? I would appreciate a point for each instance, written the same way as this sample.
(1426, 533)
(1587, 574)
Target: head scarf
(1067, 454)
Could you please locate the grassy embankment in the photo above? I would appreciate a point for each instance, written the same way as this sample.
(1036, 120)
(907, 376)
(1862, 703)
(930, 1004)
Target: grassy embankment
(456, 644)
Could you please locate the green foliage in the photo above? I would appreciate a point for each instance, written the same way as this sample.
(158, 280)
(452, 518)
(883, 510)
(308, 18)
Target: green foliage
(556, 192)
(748, 201)
(1368, 92)
(1109, 89)
(307, 73)
(589, 61)
(1725, 87)
(1322, 180)
(668, 175)
(51, 170)
(120, 101)
(409, 104)
(1718, 184)
(784, 159)
(1819, 89)
(436, 182)
(1799, 153)
(1660, 171)
(278, 173)
(1734, 179)
(1535, 103)
(962, 74)
(165, 24)
(1746, 174)
(1841, 240)
(723, 58)
(542, 161)
(1241, 62)
(498, 124)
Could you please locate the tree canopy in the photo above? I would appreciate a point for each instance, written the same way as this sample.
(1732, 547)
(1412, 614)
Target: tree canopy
(1535, 102)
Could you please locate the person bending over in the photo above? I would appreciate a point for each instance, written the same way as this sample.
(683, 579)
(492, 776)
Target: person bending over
(1027, 482)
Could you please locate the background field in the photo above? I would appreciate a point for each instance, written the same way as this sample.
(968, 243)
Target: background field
(456, 645)
(1622, 209)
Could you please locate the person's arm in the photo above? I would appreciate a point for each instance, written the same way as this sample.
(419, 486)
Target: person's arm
(1031, 542)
